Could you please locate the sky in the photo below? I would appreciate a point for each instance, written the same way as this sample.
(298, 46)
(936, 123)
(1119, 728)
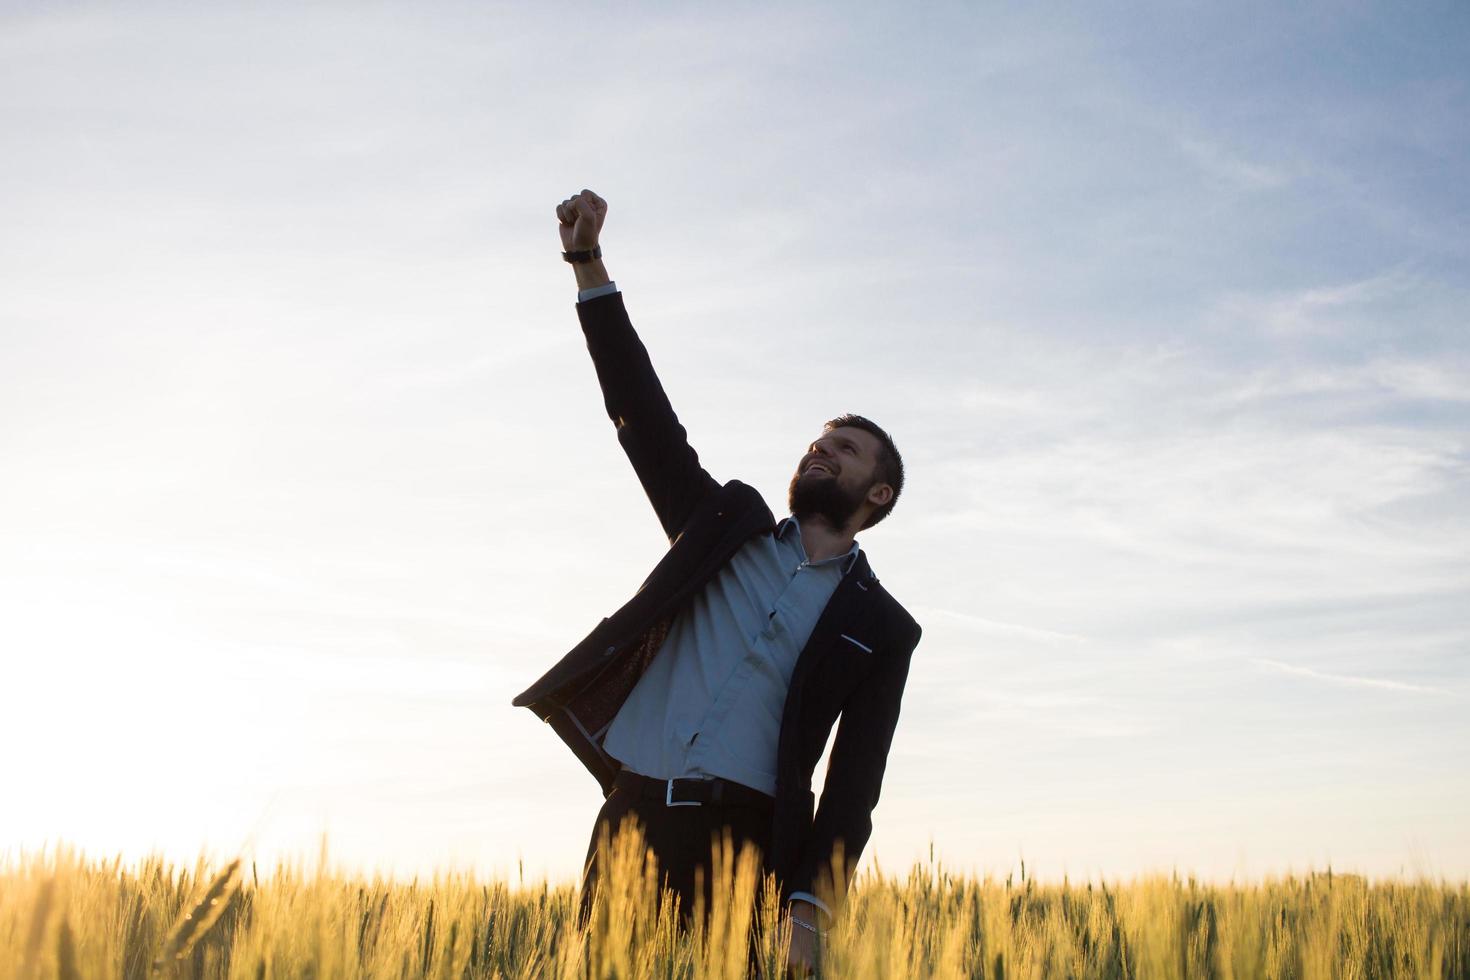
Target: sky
(304, 470)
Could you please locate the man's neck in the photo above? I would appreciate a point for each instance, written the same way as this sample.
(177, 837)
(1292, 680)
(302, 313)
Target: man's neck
(821, 541)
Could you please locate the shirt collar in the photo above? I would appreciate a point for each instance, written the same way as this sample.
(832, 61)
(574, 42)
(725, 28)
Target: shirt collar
(788, 525)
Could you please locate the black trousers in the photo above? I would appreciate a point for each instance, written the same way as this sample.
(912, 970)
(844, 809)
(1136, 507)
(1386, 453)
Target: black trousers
(681, 837)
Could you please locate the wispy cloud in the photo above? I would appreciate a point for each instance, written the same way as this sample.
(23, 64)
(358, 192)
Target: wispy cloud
(1231, 168)
(995, 627)
(1316, 309)
(1419, 379)
(1349, 679)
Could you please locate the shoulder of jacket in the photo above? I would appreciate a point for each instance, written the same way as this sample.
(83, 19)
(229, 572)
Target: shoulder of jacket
(736, 490)
(899, 620)
(734, 497)
(728, 502)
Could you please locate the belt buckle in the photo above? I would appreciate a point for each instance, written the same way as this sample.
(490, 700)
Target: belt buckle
(669, 797)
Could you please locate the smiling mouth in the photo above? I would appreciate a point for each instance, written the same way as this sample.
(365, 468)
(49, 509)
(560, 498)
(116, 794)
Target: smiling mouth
(820, 468)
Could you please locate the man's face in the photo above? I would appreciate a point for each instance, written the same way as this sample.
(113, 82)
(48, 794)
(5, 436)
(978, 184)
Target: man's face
(833, 478)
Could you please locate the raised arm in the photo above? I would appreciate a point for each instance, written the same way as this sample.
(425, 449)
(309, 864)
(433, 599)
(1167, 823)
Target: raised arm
(648, 430)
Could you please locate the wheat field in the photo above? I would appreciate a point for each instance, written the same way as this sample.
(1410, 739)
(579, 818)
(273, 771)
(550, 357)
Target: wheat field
(64, 915)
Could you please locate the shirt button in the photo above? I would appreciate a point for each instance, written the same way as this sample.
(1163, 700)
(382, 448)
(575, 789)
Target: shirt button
(609, 651)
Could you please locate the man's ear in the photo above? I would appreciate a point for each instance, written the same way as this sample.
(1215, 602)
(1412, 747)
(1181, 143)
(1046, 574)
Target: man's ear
(879, 494)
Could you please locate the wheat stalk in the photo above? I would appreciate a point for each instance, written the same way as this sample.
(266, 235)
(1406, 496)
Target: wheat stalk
(196, 923)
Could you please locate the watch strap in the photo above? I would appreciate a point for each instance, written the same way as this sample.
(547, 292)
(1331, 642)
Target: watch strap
(586, 255)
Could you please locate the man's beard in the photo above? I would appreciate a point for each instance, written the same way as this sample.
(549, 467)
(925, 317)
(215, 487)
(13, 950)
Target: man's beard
(822, 497)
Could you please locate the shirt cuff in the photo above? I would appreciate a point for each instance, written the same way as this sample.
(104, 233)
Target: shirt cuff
(808, 897)
(606, 289)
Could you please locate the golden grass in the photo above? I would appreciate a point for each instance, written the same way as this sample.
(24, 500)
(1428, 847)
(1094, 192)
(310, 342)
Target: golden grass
(68, 916)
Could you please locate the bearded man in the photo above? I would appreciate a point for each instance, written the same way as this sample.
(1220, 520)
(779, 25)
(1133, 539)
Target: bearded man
(702, 706)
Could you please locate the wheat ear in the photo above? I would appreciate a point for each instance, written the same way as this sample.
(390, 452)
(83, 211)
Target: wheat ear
(197, 922)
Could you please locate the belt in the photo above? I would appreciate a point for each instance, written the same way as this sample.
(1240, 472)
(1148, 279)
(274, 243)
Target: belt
(692, 792)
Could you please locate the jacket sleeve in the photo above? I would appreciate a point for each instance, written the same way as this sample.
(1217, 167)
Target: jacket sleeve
(854, 778)
(647, 427)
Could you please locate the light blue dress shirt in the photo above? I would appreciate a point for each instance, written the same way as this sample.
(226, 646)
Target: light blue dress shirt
(710, 703)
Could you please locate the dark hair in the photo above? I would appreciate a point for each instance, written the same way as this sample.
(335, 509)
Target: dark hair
(890, 463)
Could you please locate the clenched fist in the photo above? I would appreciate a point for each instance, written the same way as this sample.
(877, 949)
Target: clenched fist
(581, 217)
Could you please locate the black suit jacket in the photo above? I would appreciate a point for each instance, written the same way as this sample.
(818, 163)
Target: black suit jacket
(854, 664)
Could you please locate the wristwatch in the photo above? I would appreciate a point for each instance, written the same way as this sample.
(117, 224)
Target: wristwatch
(583, 256)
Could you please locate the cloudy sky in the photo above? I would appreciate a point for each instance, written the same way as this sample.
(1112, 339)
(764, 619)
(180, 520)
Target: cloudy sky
(304, 471)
